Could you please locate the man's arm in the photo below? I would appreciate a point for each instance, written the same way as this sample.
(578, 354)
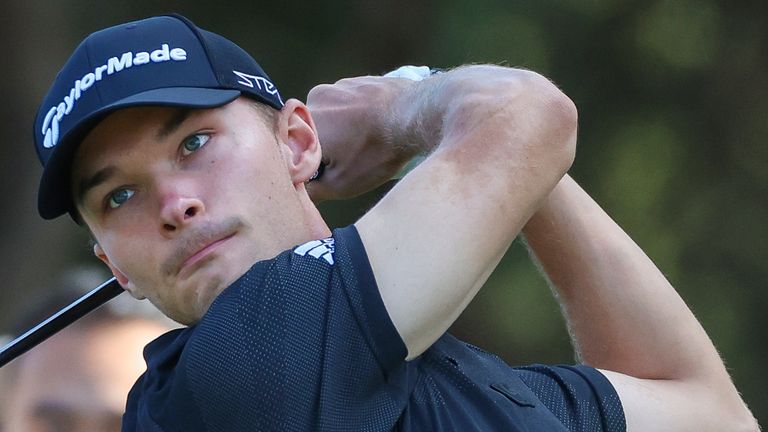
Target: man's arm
(627, 320)
(500, 140)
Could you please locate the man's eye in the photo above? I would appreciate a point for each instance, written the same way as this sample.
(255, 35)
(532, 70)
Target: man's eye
(193, 143)
(119, 197)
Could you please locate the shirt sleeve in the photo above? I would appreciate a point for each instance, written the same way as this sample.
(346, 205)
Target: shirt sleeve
(580, 396)
(362, 292)
(300, 342)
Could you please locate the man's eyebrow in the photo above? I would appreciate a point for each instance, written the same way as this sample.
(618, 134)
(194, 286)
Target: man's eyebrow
(173, 123)
(88, 183)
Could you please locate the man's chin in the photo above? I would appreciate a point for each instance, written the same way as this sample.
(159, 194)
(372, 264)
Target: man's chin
(196, 290)
(209, 286)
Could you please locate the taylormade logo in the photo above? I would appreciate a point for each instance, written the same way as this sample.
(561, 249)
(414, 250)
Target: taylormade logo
(113, 65)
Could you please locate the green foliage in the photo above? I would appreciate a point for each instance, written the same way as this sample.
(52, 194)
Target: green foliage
(673, 102)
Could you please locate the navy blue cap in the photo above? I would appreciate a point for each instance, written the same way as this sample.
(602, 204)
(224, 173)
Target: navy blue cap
(164, 60)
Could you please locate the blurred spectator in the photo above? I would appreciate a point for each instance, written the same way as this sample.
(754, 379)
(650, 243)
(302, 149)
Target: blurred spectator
(78, 379)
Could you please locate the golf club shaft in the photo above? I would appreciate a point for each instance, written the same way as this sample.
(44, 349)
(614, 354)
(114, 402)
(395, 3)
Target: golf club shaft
(61, 319)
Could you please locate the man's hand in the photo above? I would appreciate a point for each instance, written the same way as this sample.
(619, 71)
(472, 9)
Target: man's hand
(355, 118)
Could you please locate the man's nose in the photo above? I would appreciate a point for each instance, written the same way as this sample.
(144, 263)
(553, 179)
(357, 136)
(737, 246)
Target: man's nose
(179, 211)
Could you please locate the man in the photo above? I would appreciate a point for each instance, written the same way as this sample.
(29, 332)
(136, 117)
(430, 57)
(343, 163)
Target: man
(78, 379)
(197, 181)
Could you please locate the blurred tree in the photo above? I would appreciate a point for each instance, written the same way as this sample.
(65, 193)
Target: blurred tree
(672, 96)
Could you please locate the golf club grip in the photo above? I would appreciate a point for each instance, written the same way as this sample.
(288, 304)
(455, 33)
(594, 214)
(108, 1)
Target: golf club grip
(61, 319)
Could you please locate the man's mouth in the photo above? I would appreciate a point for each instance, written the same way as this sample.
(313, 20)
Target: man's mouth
(199, 245)
(202, 254)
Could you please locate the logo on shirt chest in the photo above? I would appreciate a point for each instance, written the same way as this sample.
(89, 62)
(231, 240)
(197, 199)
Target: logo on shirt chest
(320, 249)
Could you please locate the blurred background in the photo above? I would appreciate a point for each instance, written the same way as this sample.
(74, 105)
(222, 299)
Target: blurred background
(673, 103)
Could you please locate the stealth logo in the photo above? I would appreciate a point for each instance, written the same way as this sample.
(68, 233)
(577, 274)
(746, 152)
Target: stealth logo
(317, 248)
(258, 82)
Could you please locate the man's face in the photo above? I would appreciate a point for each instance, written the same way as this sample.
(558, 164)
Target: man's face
(78, 380)
(183, 202)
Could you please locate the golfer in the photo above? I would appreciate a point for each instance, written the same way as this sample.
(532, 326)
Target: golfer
(198, 181)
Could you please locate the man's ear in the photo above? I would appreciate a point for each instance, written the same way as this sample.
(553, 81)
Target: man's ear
(122, 279)
(302, 147)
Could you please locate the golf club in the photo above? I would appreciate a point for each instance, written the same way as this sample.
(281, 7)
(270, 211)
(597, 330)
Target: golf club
(61, 319)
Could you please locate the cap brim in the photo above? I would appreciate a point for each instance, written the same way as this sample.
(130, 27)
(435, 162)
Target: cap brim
(54, 196)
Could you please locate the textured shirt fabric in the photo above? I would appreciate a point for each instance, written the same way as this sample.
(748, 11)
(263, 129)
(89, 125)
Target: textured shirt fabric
(303, 342)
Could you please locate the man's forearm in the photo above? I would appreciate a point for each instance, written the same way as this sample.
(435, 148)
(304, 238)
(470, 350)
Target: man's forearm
(622, 312)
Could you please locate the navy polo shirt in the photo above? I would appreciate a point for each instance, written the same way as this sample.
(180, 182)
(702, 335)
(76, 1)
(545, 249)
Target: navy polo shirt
(302, 342)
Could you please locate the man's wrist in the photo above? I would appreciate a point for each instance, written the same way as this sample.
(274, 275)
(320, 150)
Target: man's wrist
(392, 116)
(406, 124)
(413, 73)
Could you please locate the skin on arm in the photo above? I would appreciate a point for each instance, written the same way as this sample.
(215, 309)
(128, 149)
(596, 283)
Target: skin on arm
(500, 140)
(627, 320)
